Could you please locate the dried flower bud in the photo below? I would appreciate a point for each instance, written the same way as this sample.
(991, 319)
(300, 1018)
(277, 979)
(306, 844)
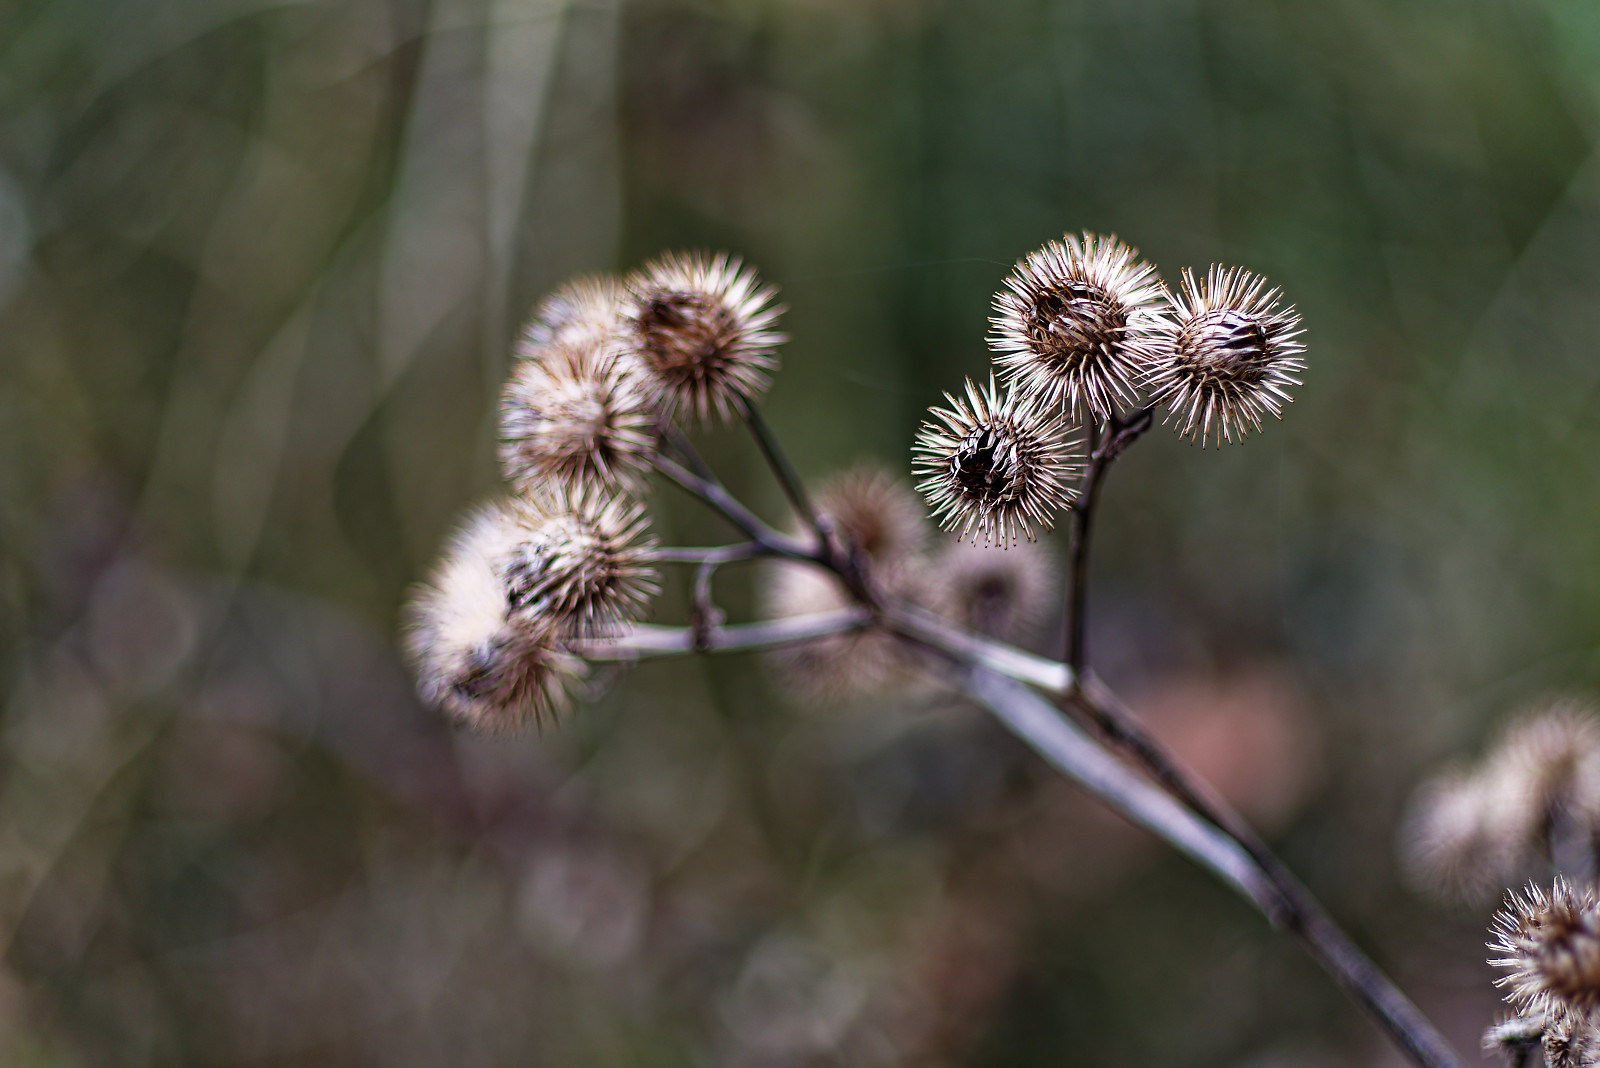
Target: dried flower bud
(579, 561)
(1571, 1040)
(489, 669)
(1551, 948)
(996, 466)
(1077, 322)
(1005, 595)
(1457, 841)
(862, 663)
(884, 521)
(579, 418)
(703, 330)
(1549, 765)
(1231, 354)
(1515, 1038)
(1537, 792)
(584, 314)
(878, 512)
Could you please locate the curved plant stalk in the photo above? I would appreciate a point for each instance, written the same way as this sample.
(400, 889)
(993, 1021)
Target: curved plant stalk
(1146, 784)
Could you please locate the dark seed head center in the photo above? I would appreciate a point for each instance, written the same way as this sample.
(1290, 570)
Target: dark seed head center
(1075, 321)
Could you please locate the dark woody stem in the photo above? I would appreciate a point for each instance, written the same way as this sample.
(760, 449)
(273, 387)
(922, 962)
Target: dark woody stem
(1152, 788)
(829, 550)
(793, 487)
(717, 496)
(1104, 448)
(1298, 911)
(1176, 806)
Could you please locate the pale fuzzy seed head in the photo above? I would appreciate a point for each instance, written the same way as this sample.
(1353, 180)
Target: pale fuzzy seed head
(1005, 594)
(993, 465)
(1548, 763)
(1229, 357)
(489, 669)
(1077, 323)
(1470, 833)
(879, 513)
(1515, 1037)
(1457, 842)
(883, 519)
(585, 314)
(703, 329)
(580, 418)
(1549, 945)
(580, 562)
(1571, 1039)
(865, 663)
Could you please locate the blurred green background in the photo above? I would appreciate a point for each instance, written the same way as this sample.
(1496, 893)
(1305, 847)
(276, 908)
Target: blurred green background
(260, 266)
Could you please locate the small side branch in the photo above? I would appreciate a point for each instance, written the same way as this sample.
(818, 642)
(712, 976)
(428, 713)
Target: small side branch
(714, 494)
(643, 640)
(962, 646)
(788, 478)
(1104, 448)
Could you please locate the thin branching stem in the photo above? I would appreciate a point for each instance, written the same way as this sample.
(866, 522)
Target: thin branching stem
(713, 493)
(1166, 800)
(1104, 448)
(715, 554)
(1302, 916)
(1152, 790)
(788, 478)
(646, 640)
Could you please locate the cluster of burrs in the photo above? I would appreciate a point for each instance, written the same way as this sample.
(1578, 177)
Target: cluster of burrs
(1087, 333)
(602, 371)
(608, 369)
(1532, 804)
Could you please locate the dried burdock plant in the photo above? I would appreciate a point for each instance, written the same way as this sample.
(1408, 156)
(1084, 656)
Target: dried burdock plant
(1077, 324)
(1571, 1040)
(1231, 355)
(1550, 948)
(578, 416)
(493, 669)
(579, 562)
(880, 522)
(585, 314)
(857, 598)
(994, 465)
(1003, 595)
(1516, 1038)
(1532, 803)
(703, 329)
(1534, 799)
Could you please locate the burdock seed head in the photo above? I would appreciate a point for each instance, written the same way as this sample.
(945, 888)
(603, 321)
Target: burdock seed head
(1076, 324)
(884, 522)
(1471, 832)
(1516, 1037)
(579, 562)
(1571, 1039)
(1005, 595)
(578, 417)
(487, 667)
(1230, 355)
(1550, 948)
(993, 465)
(703, 330)
(585, 313)
(878, 512)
